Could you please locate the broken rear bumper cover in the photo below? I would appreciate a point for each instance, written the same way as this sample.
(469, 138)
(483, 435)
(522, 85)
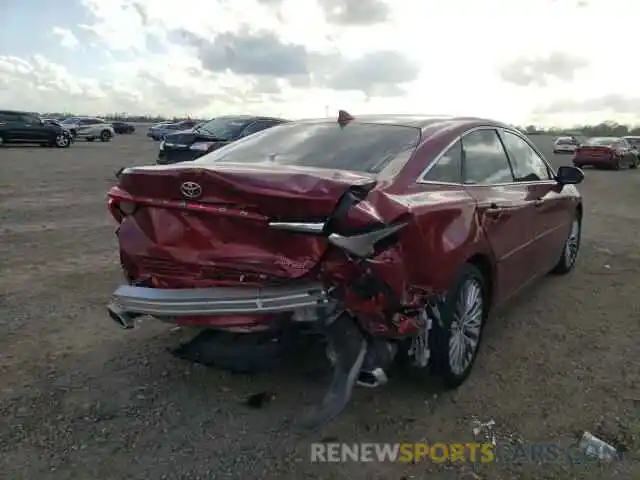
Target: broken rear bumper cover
(300, 300)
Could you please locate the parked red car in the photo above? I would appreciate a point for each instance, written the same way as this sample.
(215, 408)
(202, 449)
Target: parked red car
(391, 236)
(606, 152)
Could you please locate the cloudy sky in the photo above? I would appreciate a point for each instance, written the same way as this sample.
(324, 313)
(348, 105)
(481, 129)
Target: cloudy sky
(540, 61)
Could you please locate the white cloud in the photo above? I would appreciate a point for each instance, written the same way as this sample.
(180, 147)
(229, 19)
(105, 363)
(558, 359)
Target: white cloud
(518, 62)
(67, 38)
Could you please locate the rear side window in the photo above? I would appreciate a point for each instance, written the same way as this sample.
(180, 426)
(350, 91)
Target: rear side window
(485, 161)
(361, 147)
(449, 168)
(527, 164)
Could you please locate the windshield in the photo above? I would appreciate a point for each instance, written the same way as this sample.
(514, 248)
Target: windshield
(356, 147)
(605, 141)
(225, 128)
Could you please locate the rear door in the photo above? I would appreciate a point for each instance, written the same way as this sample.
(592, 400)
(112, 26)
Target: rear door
(552, 214)
(506, 209)
(10, 126)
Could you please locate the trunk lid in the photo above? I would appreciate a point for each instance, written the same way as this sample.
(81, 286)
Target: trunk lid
(223, 232)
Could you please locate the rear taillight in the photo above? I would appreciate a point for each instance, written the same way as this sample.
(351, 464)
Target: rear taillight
(119, 210)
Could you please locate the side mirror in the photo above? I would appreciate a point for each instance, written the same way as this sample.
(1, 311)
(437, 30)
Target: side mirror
(568, 175)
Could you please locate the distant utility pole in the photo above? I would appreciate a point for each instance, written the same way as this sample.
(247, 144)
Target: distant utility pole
(326, 110)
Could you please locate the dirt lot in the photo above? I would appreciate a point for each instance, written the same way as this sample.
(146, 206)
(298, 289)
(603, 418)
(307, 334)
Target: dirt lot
(82, 399)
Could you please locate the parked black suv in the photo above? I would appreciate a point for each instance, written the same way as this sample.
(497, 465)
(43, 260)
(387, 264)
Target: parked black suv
(123, 127)
(24, 127)
(208, 136)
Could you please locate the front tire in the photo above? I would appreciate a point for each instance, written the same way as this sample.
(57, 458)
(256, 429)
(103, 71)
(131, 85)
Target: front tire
(571, 248)
(455, 337)
(105, 136)
(62, 141)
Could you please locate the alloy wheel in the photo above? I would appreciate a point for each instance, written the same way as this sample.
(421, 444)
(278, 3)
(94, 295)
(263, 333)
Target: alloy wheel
(62, 140)
(573, 243)
(466, 326)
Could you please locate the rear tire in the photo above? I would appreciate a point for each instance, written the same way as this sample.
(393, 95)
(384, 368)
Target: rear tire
(571, 247)
(90, 139)
(105, 136)
(455, 337)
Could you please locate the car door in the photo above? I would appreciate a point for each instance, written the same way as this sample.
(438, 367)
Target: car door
(506, 209)
(552, 216)
(32, 129)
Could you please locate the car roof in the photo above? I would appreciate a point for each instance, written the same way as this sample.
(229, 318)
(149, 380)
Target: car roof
(426, 123)
(19, 112)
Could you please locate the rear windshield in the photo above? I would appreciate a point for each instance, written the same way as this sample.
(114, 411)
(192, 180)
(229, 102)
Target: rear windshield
(603, 141)
(565, 141)
(359, 147)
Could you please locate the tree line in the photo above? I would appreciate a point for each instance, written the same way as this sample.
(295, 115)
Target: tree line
(604, 129)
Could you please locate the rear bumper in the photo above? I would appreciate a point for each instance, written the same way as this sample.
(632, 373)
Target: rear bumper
(604, 162)
(222, 301)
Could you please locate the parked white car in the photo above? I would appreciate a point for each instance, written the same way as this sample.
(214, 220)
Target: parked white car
(89, 128)
(565, 145)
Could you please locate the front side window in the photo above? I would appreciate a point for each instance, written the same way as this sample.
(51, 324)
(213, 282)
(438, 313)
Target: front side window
(449, 168)
(527, 164)
(485, 161)
(361, 147)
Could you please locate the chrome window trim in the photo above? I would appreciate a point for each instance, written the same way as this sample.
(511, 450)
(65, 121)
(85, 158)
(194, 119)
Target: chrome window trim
(422, 181)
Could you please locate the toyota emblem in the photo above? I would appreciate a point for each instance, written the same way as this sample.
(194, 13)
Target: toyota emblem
(191, 189)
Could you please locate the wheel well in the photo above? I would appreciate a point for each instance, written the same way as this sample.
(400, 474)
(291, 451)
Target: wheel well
(482, 263)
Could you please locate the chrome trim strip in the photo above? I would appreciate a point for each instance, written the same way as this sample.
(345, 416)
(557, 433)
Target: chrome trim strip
(218, 301)
(302, 227)
(421, 180)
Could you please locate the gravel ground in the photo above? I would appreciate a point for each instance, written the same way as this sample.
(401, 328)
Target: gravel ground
(82, 399)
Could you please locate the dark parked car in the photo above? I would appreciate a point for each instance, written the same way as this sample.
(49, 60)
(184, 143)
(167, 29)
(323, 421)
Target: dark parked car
(123, 127)
(387, 236)
(22, 127)
(211, 135)
(606, 152)
(158, 132)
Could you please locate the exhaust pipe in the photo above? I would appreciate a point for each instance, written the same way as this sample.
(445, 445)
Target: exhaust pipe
(124, 319)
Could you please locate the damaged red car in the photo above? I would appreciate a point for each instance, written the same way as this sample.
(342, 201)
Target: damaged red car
(391, 237)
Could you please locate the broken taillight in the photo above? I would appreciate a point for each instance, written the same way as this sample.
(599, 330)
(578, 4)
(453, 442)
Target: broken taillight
(120, 210)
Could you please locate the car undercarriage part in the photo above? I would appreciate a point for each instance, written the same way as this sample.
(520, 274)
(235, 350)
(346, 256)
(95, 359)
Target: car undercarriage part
(348, 346)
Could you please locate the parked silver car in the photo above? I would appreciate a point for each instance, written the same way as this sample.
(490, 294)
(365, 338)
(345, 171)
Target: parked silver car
(89, 128)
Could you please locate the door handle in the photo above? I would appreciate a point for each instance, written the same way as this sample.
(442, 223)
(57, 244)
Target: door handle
(495, 210)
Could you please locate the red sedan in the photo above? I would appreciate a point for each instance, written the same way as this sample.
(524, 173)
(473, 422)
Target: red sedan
(389, 236)
(606, 152)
